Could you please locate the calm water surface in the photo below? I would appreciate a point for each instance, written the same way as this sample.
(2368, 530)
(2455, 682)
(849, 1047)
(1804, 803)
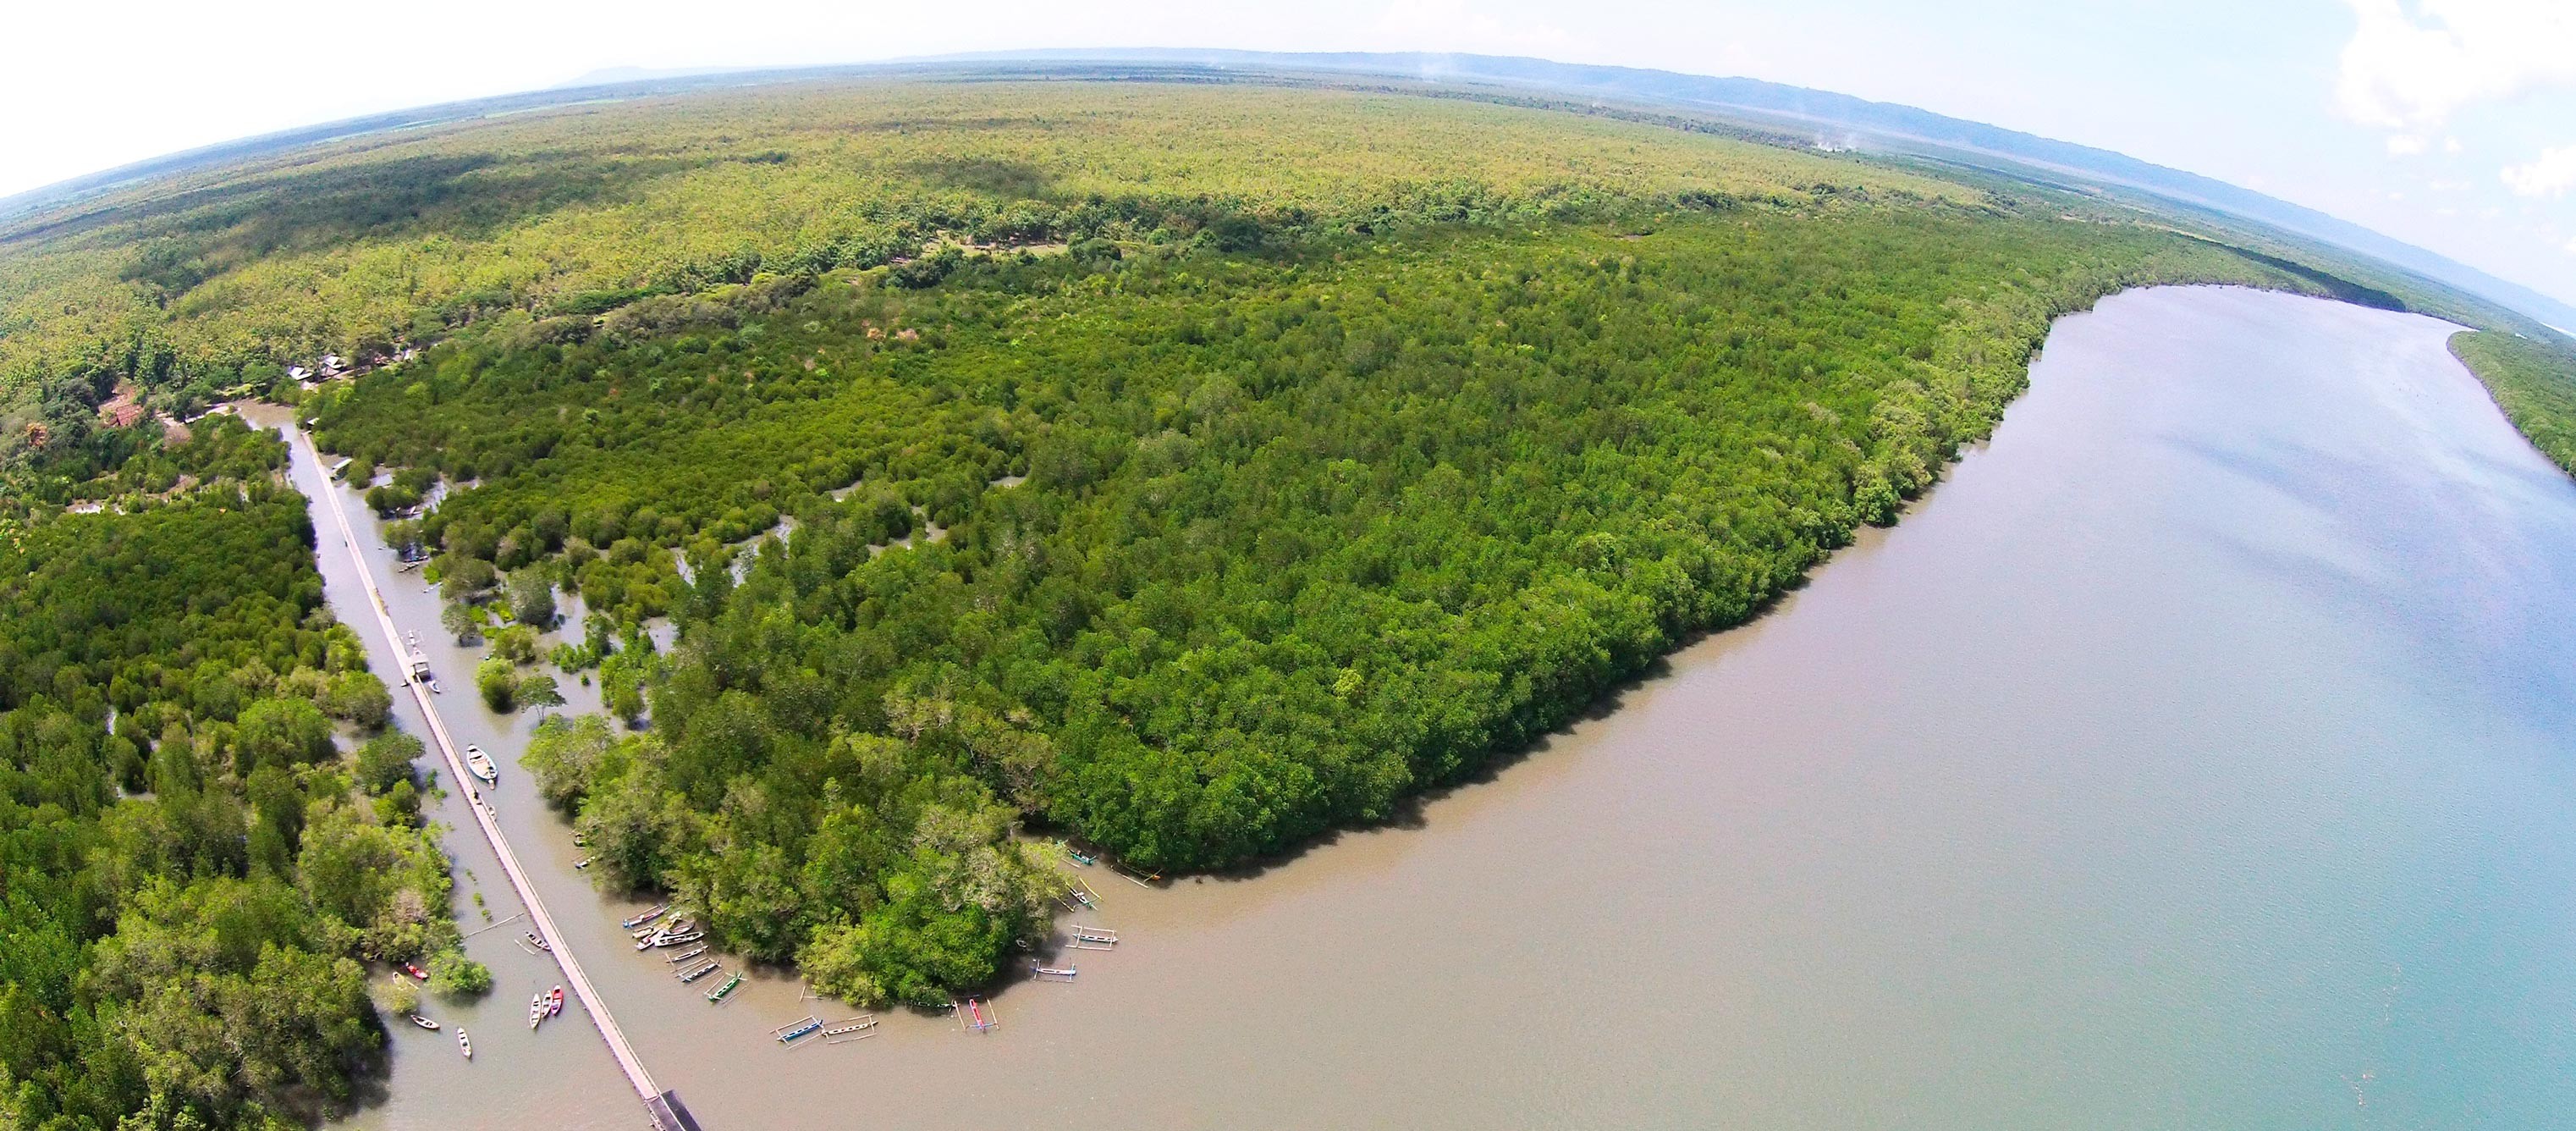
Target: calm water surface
(2198, 756)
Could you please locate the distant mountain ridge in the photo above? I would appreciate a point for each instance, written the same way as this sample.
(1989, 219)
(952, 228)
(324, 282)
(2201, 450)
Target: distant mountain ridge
(1777, 105)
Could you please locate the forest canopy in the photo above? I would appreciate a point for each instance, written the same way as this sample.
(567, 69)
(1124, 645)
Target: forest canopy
(189, 877)
(1190, 470)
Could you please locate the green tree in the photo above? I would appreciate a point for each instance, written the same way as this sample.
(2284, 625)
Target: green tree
(498, 681)
(359, 697)
(540, 692)
(451, 974)
(281, 732)
(462, 621)
(532, 598)
(386, 761)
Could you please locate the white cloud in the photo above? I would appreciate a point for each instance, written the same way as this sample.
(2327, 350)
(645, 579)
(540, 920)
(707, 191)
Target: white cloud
(2405, 69)
(2450, 145)
(2405, 145)
(2571, 247)
(2551, 175)
(2449, 186)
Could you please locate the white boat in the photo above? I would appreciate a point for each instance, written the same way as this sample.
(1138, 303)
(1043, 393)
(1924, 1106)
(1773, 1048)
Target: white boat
(536, 1010)
(424, 1022)
(481, 764)
(463, 1045)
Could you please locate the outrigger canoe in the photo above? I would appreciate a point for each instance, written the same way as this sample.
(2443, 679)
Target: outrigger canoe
(721, 992)
(481, 763)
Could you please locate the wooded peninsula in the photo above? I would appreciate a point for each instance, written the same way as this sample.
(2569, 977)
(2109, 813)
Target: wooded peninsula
(1188, 470)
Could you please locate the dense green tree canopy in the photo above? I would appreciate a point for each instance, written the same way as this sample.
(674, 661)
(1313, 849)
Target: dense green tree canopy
(188, 883)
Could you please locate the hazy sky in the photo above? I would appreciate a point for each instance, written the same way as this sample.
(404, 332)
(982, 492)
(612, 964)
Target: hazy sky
(2447, 123)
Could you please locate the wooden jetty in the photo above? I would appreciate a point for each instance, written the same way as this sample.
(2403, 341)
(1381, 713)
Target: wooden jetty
(663, 1107)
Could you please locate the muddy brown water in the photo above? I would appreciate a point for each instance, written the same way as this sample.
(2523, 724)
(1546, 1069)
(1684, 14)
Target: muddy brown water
(2198, 755)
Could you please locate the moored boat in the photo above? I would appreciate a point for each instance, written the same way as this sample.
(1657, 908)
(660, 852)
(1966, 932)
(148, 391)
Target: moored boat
(649, 914)
(415, 972)
(463, 1045)
(696, 972)
(678, 940)
(688, 954)
(424, 1022)
(554, 1003)
(481, 764)
(726, 990)
(536, 1010)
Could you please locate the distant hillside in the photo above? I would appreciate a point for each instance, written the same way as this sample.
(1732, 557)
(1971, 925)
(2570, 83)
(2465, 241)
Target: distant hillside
(1878, 124)
(1881, 125)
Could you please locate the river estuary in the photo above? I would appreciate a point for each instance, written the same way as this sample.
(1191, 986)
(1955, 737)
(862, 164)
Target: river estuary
(2201, 754)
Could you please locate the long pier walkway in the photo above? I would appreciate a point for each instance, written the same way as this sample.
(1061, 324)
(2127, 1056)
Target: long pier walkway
(655, 1101)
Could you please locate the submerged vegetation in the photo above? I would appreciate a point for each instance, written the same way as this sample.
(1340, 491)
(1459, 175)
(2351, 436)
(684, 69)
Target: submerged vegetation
(191, 869)
(1192, 470)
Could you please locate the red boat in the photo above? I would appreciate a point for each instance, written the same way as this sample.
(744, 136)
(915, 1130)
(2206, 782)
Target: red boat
(415, 971)
(555, 1009)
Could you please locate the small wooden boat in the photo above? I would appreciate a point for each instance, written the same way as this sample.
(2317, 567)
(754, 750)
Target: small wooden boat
(554, 1003)
(696, 972)
(536, 940)
(481, 764)
(536, 1010)
(721, 992)
(680, 940)
(415, 972)
(1084, 895)
(1078, 856)
(858, 1028)
(1062, 973)
(463, 1045)
(580, 841)
(584, 862)
(649, 914)
(424, 1022)
(790, 1034)
(688, 954)
(978, 1017)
